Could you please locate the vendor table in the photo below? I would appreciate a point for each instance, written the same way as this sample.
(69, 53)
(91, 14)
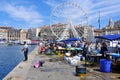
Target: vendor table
(115, 56)
(73, 51)
(96, 57)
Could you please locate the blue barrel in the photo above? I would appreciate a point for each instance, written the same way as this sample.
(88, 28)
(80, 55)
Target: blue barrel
(105, 65)
(102, 63)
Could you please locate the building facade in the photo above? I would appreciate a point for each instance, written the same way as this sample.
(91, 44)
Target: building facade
(4, 33)
(32, 34)
(23, 35)
(13, 34)
(112, 28)
(46, 32)
(97, 32)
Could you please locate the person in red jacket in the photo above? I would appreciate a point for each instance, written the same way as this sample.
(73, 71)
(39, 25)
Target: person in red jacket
(42, 49)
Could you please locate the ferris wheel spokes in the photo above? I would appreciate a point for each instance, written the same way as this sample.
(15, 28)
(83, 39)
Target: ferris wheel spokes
(72, 28)
(66, 33)
(61, 14)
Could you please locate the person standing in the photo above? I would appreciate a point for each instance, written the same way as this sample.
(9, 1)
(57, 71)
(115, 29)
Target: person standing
(40, 45)
(118, 48)
(85, 50)
(103, 49)
(25, 51)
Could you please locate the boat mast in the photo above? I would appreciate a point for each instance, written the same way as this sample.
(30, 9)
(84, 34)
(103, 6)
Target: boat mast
(99, 20)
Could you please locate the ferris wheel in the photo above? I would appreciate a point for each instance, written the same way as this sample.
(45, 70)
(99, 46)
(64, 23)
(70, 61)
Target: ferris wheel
(64, 17)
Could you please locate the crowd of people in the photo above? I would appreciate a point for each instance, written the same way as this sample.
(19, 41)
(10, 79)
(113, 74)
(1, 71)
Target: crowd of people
(88, 47)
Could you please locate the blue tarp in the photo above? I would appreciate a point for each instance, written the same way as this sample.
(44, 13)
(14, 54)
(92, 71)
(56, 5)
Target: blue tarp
(73, 39)
(109, 37)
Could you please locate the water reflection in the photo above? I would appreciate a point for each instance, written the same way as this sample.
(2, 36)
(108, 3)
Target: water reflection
(10, 56)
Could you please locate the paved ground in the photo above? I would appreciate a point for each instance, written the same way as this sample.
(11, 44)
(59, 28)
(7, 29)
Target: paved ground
(54, 70)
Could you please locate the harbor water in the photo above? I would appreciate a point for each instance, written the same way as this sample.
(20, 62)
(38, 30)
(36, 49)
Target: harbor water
(10, 56)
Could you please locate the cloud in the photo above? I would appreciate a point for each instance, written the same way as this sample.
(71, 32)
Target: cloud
(23, 13)
(69, 11)
(51, 3)
(91, 9)
(107, 9)
(28, 13)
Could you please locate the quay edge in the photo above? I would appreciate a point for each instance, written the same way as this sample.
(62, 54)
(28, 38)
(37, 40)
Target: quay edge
(21, 70)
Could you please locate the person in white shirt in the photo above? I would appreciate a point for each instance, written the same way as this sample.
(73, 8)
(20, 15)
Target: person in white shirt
(25, 51)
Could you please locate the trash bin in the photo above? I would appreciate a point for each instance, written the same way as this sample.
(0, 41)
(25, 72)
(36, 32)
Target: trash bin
(105, 65)
(80, 71)
(102, 63)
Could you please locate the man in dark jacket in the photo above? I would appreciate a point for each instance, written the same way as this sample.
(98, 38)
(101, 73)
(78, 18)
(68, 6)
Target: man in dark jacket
(103, 49)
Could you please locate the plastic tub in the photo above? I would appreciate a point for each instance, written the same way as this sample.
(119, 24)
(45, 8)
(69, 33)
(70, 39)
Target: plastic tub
(102, 63)
(105, 65)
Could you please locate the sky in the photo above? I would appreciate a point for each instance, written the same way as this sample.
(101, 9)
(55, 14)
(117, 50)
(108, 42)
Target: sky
(35, 13)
